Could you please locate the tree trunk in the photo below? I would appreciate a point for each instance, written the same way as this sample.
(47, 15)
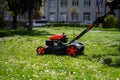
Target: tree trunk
(30, 20)
(14, 22)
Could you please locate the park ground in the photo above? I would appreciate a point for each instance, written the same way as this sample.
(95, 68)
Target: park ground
(19, 60)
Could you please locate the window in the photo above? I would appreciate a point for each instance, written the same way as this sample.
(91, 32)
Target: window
(63, 3)
(87, 2)
(53, 3)
(99, 2)
(52, 16)
(9, 17)
(75, 2)
(86, 16)
(74, 17)
(63, 16)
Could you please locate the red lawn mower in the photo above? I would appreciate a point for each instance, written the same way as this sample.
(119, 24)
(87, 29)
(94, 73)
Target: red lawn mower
(57, 43)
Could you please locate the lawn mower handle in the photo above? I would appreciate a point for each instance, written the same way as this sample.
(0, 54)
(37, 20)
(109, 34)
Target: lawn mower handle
(90, 26)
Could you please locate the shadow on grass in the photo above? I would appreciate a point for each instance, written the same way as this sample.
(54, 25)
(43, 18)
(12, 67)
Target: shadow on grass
(112, 60)
(23, 32)
(62, 54)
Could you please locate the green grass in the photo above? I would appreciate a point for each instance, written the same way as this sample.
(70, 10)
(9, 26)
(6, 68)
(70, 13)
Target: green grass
(19, 60)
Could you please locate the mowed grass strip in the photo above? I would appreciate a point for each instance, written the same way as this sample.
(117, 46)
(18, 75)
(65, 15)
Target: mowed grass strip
(19, 60)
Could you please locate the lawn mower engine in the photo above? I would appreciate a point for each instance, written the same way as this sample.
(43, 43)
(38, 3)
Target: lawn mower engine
(57, 44)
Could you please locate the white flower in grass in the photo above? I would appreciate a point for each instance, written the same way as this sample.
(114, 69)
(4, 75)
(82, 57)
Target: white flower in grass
(74, 73)
(118, 79)
(47, 71)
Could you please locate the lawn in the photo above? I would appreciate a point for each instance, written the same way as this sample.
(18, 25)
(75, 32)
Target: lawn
(19, 60)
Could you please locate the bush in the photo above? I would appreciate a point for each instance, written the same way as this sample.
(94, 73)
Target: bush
(64, 24)
(67, 24)
(110, 22)
(4, 33)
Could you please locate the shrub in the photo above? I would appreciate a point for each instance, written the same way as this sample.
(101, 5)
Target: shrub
(60, 24)
(64, 24)
(110, 22)
(4, 33)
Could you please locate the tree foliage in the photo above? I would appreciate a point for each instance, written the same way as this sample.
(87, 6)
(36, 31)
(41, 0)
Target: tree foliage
(29, 6)
(110, 22)
(15, 8)
(20, 7)
(3, 8)
(73, 10)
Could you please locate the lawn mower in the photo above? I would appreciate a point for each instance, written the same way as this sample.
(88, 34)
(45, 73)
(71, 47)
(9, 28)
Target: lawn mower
(57, 43)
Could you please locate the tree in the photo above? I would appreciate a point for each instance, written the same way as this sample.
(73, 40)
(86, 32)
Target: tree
(29, 6)
(74, 12)
(15, 8)
(3, 8)
(21, 6)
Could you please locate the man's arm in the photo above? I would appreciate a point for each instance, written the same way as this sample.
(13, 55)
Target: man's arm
(115, 4)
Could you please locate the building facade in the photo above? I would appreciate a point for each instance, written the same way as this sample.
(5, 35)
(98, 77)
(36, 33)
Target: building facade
(74, 10)
(8, 17)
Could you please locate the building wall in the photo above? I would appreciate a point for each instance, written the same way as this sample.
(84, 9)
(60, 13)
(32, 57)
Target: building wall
(56, 11)
(8, 17)
(117, 13)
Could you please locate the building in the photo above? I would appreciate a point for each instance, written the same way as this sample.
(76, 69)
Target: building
(74, 10)
(8, 17)
(69, 11)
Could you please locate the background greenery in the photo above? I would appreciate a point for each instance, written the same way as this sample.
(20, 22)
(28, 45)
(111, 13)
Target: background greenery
(19, 60)
(111, 22)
